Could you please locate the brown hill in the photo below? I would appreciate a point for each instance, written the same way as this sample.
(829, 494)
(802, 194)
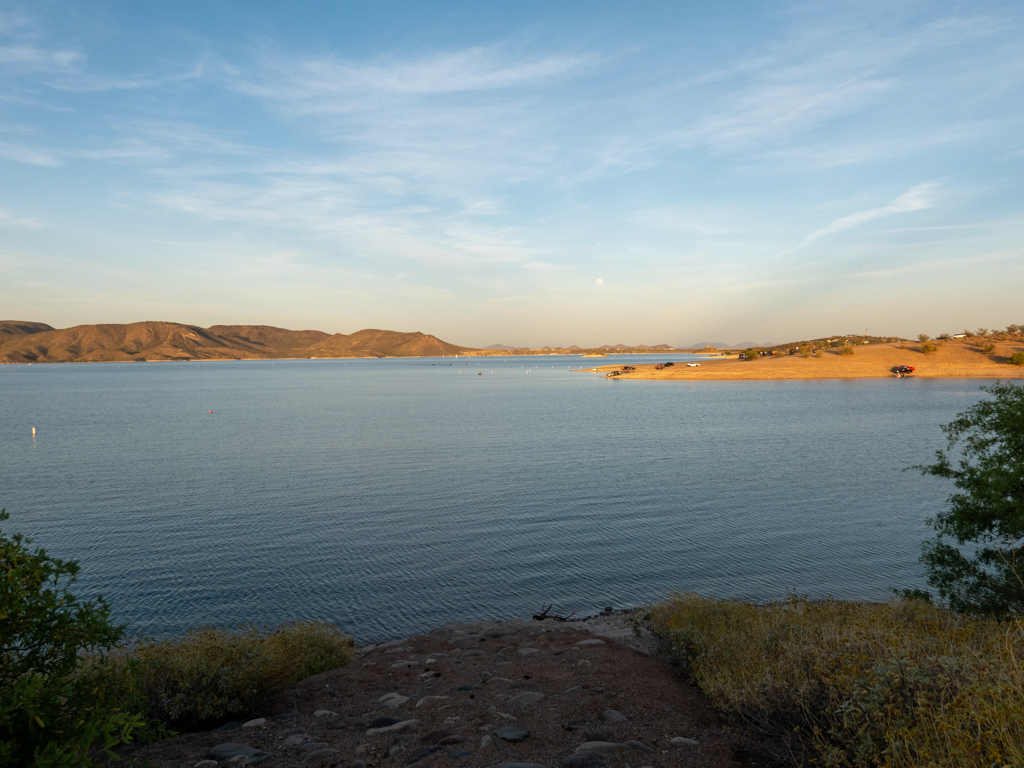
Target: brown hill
(173, 341)
(374, 343)
(21, 328)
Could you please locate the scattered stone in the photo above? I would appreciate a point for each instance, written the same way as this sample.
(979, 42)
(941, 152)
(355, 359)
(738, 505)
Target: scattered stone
(424, 753)
(457, 754)
(232, 726)
(435, 736)
(358, 764)
(485, 741)
(206, 764)
(682, 741)
(383, 722)
(403, 726)
(254, 723)
(485, 676)
(592, 641)
(584, 760)
(466, 654)
(583, 663)
(223, 752)
(500, 680)
(405, 664)
(600, 747)
(285, 716)
(292, 732)
(318, 754)
(312, 745)
(614, 716)
(599, 736)
(295, 739)
(447, 741)
(470, 687)
(393, 700)
(512, 734)
(528, 651)
(639, 746)
(427, 699)
(507, 716)
(488, 727)
(324, 713)
(526, 698)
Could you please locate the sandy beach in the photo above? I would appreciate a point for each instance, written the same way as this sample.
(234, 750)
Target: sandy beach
(956, 358)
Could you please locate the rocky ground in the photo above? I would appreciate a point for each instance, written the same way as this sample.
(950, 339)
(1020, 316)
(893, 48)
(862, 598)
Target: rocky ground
(516, 694)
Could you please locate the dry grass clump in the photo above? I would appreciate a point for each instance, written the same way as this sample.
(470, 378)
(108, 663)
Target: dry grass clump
(847, 350)
(928, 348)
(854, 684)
(208, 674)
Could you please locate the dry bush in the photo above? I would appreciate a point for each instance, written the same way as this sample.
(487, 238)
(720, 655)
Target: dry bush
(929, 348)
(847, 350)
(207, 674)
(854, 684)
(988, 349)
(1017, 358)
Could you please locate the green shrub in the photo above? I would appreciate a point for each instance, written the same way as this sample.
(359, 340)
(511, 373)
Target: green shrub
(854, 684)
(988, 349)
(1017, 358)
(50, 715)
(208, 674)
(847, 350)
(929, 348)
(972, 561)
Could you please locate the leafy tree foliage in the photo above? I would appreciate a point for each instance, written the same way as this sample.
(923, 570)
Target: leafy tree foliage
(49, 715)
(983, 572)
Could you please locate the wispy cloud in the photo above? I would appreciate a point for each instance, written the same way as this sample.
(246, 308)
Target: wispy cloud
(10, 221)
(24, 153)
(918, 198)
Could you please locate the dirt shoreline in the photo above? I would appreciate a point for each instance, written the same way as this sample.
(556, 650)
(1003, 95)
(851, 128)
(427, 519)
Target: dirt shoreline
(535, 694)
(955, 359)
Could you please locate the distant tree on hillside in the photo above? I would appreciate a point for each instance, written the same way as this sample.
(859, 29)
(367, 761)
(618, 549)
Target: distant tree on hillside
(944, 336)
(982, 332)
(923, 337)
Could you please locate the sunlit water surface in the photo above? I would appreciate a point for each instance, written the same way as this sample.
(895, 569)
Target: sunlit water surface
(391, 496)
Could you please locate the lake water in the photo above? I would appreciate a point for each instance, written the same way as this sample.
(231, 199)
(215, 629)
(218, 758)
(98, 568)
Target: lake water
(391, 496)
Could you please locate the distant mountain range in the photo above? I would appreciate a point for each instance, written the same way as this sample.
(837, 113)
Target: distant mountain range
(723, 345)
(28, 342)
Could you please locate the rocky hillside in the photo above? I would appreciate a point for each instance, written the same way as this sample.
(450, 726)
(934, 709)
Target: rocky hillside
(27, 342)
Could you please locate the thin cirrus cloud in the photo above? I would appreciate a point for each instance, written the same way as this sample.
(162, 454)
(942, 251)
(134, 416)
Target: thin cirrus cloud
(10, 221)
(328, 84)
(917, 198)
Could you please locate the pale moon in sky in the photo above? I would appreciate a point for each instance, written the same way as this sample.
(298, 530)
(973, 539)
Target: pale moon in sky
(600, 281)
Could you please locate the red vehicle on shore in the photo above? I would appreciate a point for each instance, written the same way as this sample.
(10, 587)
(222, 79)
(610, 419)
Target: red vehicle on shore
(901, 371)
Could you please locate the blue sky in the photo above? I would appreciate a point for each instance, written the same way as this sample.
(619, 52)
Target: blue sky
(728, 171)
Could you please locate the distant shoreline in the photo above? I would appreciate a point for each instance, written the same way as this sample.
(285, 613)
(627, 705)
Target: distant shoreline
(952, 359)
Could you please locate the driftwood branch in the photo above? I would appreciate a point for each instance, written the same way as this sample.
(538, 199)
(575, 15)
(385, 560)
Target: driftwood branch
(546, 614)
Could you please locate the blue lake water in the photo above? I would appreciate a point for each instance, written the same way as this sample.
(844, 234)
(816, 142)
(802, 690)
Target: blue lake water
(391, 496)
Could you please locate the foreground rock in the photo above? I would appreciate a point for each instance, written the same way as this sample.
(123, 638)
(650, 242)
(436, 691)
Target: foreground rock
(467, 695)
